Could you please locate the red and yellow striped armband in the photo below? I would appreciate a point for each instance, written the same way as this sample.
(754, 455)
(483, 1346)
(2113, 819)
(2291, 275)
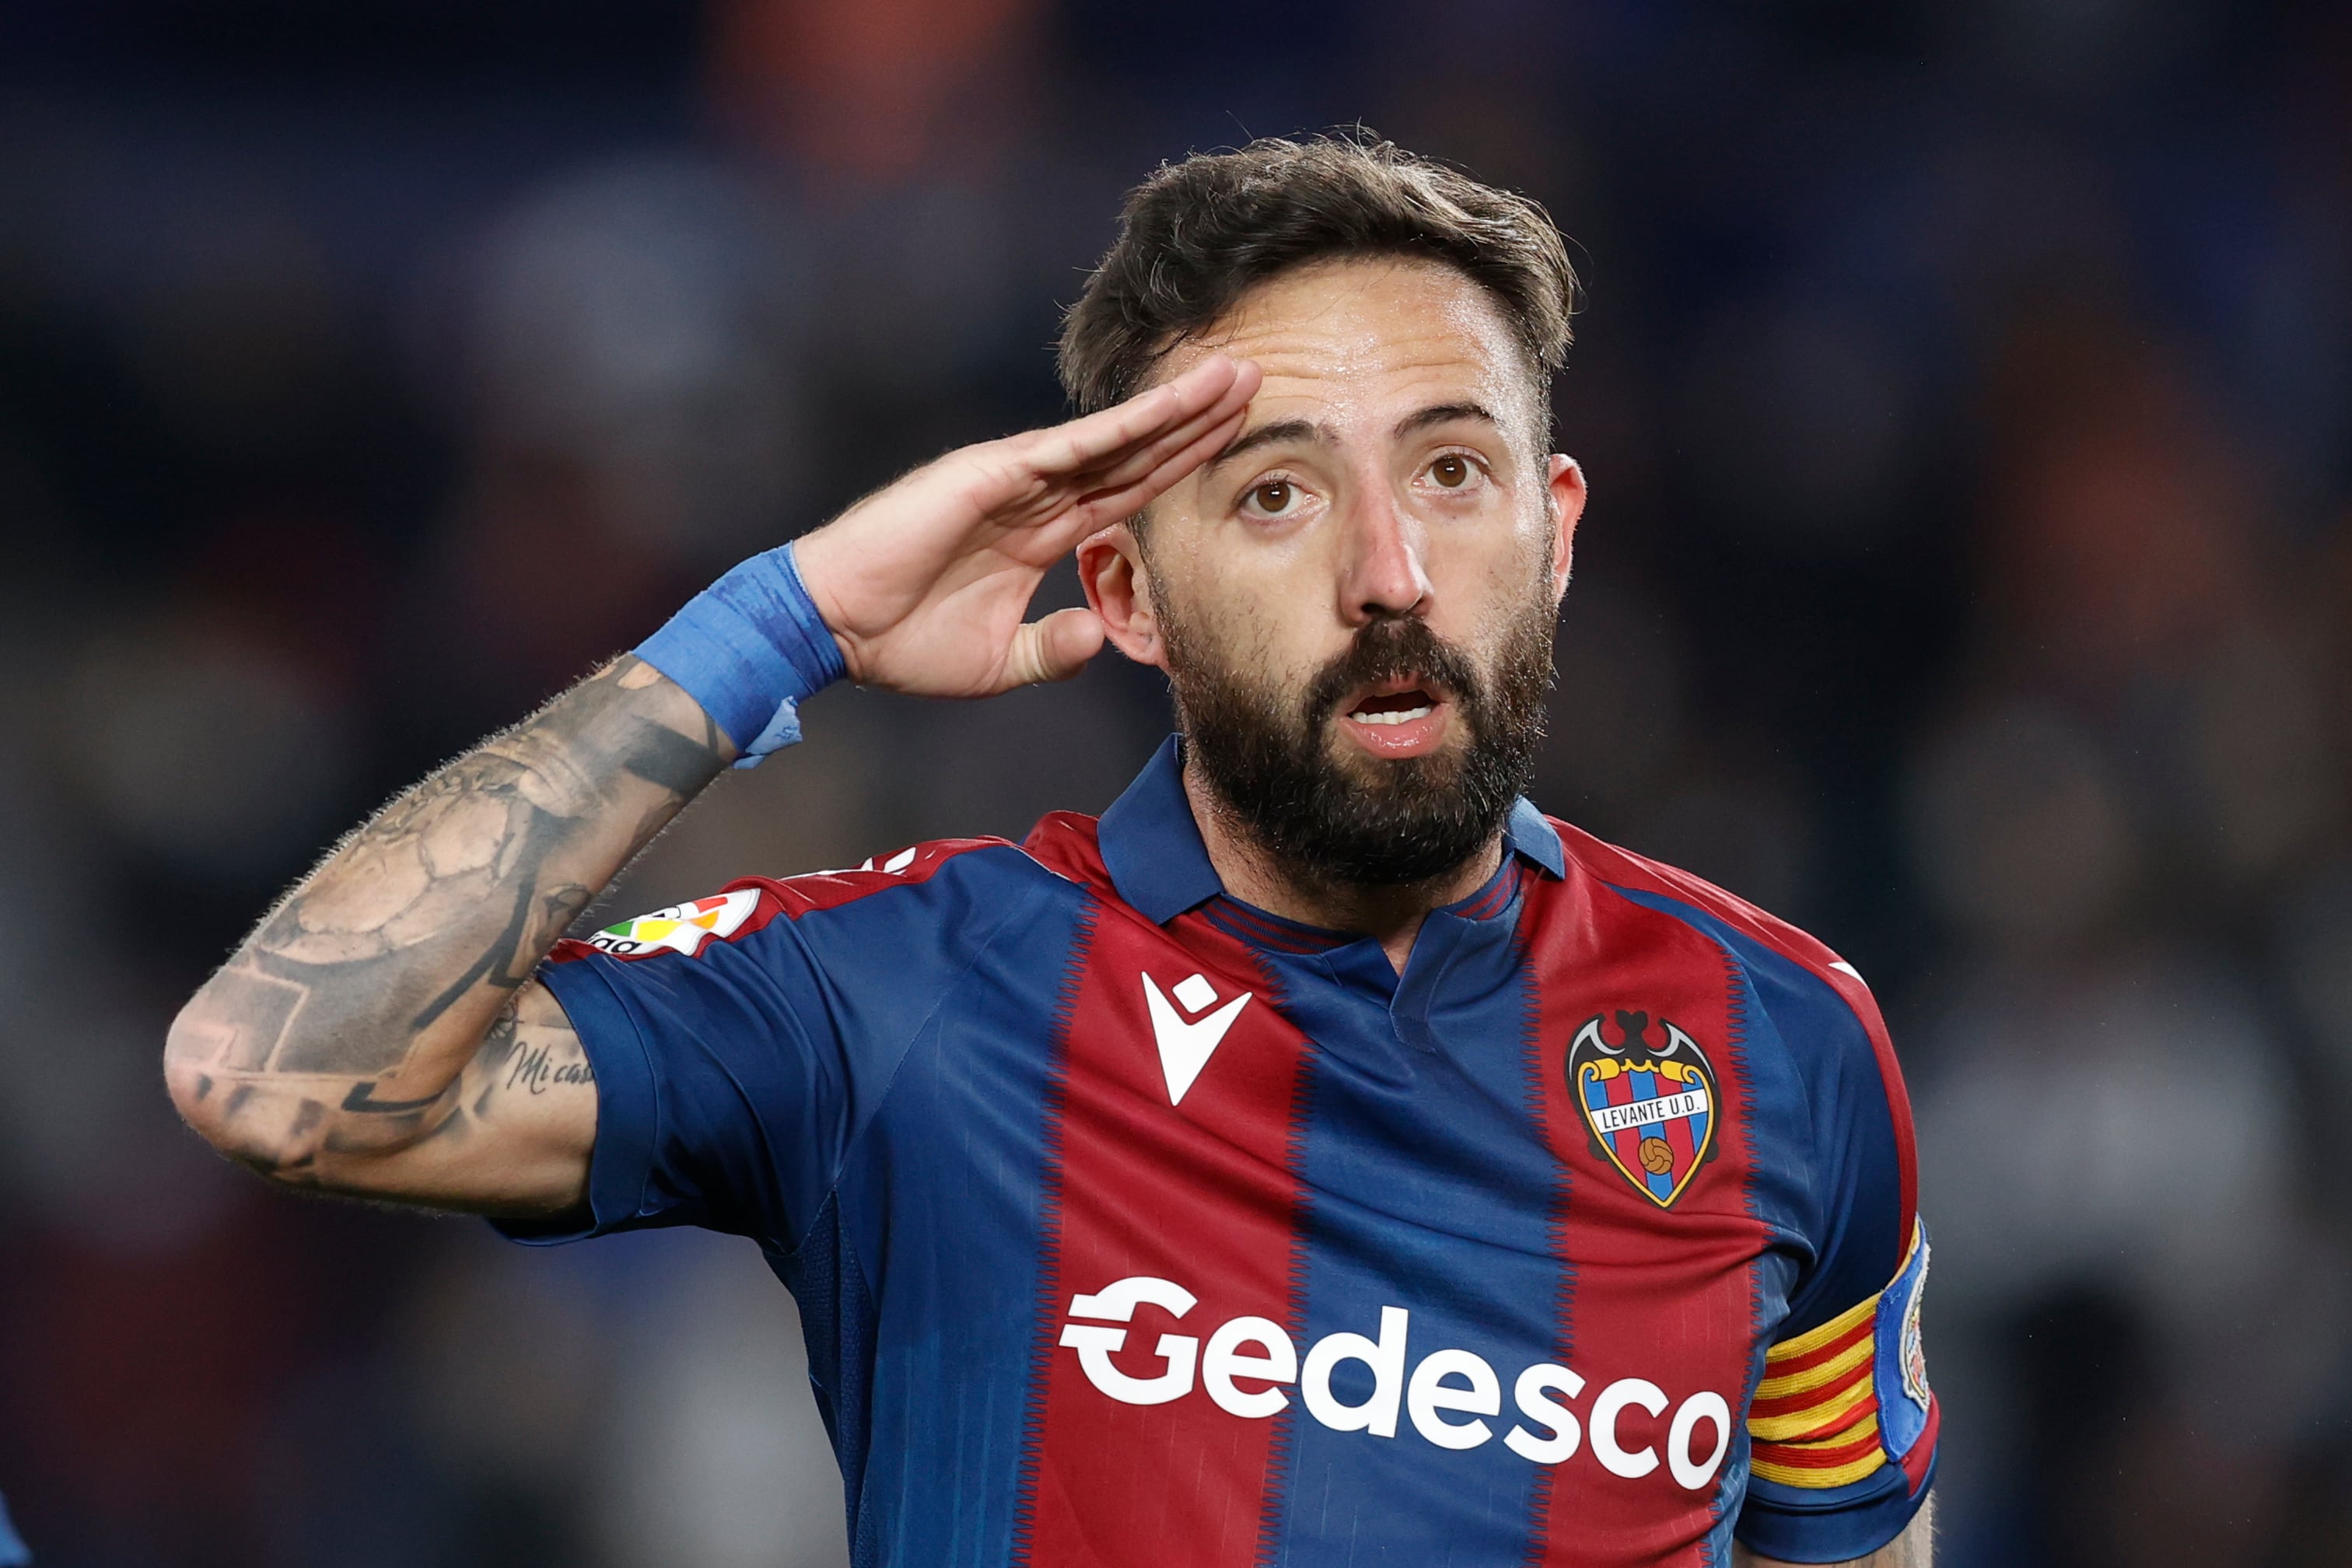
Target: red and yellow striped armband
(1840, 1402)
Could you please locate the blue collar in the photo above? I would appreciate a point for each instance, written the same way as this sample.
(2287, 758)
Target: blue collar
(1152, 848)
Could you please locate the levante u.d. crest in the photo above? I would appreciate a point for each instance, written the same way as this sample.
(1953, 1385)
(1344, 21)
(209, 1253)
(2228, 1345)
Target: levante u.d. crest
(1649, 1100)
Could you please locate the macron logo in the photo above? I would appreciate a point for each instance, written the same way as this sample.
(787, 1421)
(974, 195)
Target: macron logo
(1185, 1047)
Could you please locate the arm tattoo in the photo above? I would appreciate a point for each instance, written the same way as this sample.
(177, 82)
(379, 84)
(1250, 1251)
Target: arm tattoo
(536, 1071)
(380, 976)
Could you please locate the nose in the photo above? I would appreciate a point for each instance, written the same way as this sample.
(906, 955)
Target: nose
(1380, 573)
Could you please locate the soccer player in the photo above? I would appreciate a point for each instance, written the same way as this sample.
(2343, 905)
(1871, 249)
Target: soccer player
(1323, 1157)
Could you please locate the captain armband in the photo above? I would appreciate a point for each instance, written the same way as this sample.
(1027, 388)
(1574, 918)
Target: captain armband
(750, 648)
(1840, 1402)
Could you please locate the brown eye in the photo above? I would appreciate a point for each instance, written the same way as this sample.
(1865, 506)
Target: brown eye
(1274, 496)
(1451, 471)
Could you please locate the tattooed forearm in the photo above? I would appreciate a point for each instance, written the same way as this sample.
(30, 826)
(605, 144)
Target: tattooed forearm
(520, 941)
(346, 1021)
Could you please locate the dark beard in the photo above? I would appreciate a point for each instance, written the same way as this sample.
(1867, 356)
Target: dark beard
(1367, 821)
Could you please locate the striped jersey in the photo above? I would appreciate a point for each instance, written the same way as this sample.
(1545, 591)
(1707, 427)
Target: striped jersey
(1131, 1223)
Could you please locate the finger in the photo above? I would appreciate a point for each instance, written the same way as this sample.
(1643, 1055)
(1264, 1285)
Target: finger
(1106, 437)
(1113, 506)
(1132, 467)
(1087, 442)
(1124, 490)
(1053, 648)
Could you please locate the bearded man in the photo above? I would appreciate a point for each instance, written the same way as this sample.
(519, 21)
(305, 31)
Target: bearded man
(1323, 1157)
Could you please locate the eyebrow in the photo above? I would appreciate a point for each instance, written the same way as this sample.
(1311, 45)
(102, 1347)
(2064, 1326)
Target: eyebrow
(1279, 431)
(1446, 413)
(1284, 430)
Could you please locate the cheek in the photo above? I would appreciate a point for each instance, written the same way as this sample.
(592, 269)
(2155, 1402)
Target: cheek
(1485, 578)
(1269, 614)
(1253, 643)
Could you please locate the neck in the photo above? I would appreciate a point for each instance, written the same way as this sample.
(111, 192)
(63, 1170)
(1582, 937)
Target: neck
(1392, 914)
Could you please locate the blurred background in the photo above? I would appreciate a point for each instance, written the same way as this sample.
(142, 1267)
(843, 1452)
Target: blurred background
(1966, 391)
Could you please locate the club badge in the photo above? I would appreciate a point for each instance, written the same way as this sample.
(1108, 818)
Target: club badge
(1649, 1102)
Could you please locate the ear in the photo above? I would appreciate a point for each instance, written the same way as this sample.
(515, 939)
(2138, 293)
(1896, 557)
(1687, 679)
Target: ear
(1118, 590)
(1567, 507)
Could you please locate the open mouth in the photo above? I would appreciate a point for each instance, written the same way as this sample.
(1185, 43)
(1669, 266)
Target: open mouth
(1394, 708)
(1400, 718)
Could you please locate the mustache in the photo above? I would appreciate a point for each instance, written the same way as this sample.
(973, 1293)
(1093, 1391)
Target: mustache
(1394, 647)
(1267, 749)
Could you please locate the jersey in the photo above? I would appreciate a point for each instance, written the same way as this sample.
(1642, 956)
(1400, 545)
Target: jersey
(1130, 1222)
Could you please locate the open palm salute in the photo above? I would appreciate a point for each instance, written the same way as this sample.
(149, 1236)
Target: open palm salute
(1323, 1156)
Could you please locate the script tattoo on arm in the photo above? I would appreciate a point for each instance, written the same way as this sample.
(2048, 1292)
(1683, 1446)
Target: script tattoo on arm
(381, 1012)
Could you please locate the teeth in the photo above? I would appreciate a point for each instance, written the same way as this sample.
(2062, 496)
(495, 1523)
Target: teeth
(1397, 716)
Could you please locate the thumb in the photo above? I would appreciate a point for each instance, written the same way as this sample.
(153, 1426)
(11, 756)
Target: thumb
(1055, 648)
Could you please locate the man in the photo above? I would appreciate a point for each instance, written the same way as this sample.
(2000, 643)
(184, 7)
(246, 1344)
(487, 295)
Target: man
(1325, 1157)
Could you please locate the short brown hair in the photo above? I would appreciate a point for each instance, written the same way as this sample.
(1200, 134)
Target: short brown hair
(1200, 234)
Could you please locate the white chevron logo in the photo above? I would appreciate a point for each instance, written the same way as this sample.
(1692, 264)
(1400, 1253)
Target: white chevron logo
(1185, 1048)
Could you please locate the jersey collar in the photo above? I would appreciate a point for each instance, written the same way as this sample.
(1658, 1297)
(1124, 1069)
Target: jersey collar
(1152, 848)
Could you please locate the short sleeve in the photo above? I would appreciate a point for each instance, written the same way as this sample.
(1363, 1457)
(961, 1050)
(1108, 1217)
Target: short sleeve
(741, 1042)
(1843, 1428)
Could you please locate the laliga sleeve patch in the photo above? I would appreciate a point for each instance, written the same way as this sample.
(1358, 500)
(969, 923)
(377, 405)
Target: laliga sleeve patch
(681, 927)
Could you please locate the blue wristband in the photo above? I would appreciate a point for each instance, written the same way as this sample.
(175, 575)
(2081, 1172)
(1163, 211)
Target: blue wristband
(750, 648)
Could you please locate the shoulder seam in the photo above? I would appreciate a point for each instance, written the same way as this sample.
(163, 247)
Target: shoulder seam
(1874, 1031)
(1783, 937)
(953, 849)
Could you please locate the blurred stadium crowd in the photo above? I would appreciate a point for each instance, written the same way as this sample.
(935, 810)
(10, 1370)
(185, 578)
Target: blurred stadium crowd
(1967, 397)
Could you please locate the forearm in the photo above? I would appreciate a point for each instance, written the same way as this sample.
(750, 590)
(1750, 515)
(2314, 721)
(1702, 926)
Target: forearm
(343, 1024)
(380, 1033)
(1915, 1548)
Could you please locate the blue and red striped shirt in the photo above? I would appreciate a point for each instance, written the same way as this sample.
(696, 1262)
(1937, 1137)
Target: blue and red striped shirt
(1131, 1223)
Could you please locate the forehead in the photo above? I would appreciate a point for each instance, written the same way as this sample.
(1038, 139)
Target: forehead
(1366, 334)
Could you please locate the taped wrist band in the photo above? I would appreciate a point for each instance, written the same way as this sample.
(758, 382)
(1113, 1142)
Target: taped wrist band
(750, 648)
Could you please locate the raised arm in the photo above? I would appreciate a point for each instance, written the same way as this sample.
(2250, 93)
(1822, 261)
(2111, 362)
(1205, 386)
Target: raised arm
(380, 1033)
(365, 1038)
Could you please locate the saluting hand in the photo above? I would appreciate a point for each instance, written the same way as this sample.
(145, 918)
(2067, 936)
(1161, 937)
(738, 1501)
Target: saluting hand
(925, 583)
